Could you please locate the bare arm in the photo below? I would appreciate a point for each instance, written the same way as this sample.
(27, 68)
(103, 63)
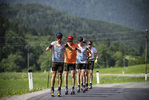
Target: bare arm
(67, 46)
(77, 49)
(89, 51)
(49, 47)
(97, 55)
(90, 54)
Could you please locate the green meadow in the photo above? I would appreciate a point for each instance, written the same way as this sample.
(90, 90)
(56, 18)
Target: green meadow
(12, 83)
(136, 69)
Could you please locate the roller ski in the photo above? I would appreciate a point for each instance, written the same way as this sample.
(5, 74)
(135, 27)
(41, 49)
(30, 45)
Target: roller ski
(78, 89)
(90, 87)
(52, 93)
(59, 92)
(86, 88)
(72, 91)
(66, 91)
(83, 90)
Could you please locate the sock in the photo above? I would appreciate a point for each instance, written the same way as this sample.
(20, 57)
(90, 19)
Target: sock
(59, 88)
(90, 83)
(52, 88)
(81, 84)
(86, 84)
(66, 87)
(73, 88)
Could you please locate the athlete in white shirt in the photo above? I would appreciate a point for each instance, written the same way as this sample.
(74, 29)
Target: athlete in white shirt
(81, 64)
(91, 60)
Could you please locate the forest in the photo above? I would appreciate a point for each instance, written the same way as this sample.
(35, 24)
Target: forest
(35, 25)
(130, 13)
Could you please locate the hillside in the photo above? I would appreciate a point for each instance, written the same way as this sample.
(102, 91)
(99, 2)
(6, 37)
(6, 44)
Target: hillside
(131, 13)
(38, 16)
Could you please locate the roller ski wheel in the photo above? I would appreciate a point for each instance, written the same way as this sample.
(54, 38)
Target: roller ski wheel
(90, 87)
(86, 89)
(52, 94)
(66, 92)
(78, 90)
(83, 90)
(59, 94)
(72, 92)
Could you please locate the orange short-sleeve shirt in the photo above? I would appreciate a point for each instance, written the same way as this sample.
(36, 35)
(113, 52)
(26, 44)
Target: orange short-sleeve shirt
(70, 56)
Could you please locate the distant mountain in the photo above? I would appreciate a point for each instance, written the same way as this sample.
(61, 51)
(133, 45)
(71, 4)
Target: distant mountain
(39, 16)
(131, 13)
(47, 20)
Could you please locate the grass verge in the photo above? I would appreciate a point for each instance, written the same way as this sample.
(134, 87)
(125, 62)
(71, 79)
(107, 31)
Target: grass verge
(136, 69)
(17, 83)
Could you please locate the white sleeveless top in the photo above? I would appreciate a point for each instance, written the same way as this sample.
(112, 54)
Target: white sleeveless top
(58, 52)
(82, 57)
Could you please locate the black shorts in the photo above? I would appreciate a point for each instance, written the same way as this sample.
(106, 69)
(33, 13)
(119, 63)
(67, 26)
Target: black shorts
(91, 65)
(57, 66)
(81, 66)
(68, 67)
(87, 66)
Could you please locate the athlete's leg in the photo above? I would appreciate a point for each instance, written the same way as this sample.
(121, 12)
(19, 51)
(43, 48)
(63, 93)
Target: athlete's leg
(60, 71)
(60, 79)
(83, 80)
(66, 78)
(53, 78)
(78, 76)
(73, 77)
(91, 76)
(86, 75)
(91, 72)
(53, 82)
(66, 70)
(86, 78)
(83, 76)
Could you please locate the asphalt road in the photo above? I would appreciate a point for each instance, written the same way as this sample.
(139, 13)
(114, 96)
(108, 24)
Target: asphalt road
(124, 91)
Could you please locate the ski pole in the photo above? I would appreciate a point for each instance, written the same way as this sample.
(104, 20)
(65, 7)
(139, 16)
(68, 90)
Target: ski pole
(48, 75)
(48, 80)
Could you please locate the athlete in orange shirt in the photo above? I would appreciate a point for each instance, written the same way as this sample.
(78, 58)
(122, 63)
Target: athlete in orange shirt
(70, 62)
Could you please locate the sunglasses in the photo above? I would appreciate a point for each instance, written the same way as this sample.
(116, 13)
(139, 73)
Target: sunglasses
(89, 44)
(59, 38)
(69, 41)
(80, 41)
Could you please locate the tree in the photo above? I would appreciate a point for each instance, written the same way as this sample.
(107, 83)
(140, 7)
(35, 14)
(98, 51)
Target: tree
(141, 50)
(11, 63)
(44, 61)
(119, 59)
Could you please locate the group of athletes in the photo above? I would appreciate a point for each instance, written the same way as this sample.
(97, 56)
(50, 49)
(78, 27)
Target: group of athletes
(70, 56)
